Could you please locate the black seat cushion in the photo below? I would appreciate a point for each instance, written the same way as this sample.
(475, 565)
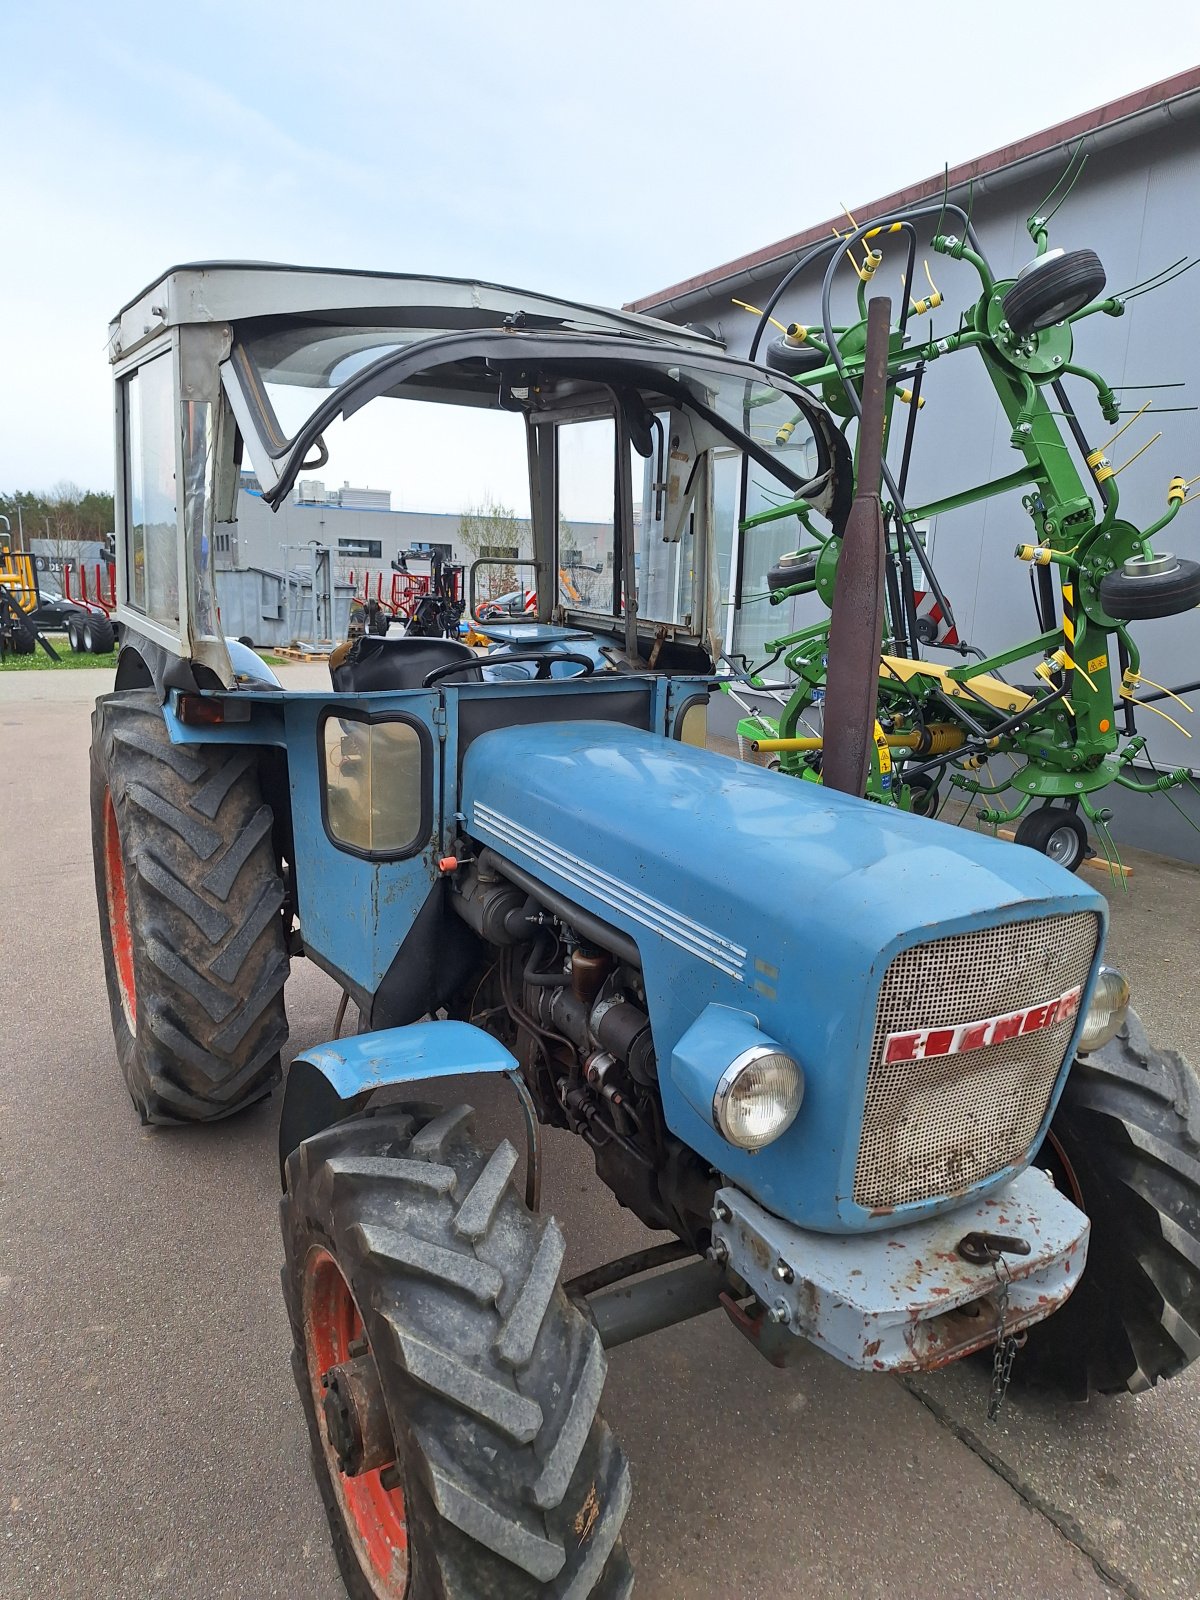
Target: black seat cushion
(372, 662)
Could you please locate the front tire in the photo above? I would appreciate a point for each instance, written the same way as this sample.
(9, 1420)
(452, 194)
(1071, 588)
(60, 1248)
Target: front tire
(190, 924)
(408, 1249)
(1124, 1143)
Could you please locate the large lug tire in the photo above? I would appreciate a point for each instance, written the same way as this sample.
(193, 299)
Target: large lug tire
(190, 924)
(407, 1242)
(1138, 598)
(75, 635)
(1052, 289)
(99, 635)
(22, 639)
(1125, 1145)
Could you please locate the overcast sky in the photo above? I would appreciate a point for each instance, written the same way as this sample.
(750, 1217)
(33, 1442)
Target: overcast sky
(599, 151)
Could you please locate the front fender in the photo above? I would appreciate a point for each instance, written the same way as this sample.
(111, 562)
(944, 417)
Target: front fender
(331, 1081)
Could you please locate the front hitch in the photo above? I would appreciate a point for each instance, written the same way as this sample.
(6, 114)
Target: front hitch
(916, 1298)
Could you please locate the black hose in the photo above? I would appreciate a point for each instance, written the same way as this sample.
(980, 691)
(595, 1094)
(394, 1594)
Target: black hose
(532, 974)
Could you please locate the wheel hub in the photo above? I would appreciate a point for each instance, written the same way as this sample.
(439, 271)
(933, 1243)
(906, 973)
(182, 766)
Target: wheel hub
(356, 1417)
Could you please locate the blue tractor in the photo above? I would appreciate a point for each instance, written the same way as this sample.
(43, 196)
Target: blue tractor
(866, 1071)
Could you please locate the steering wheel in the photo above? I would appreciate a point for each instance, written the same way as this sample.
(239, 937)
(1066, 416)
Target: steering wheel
(544, 658)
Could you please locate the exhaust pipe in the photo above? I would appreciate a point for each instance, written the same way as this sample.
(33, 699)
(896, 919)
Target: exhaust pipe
(856, 623)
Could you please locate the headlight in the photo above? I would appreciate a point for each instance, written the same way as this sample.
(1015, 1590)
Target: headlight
(1110, 1002)
(758, 1097)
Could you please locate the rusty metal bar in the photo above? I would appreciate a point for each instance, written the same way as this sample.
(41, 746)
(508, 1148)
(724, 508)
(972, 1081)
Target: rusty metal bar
(856, 624)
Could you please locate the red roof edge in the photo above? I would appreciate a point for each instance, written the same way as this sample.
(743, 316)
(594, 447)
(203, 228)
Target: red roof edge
(995, 161)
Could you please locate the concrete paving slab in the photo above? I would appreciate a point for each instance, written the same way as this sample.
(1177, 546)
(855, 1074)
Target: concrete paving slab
(154, 1446)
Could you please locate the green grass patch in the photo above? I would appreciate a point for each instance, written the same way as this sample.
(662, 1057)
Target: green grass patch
(39, 661)
(67, 659)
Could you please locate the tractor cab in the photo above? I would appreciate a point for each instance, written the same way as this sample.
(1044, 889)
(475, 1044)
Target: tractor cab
(220, 365)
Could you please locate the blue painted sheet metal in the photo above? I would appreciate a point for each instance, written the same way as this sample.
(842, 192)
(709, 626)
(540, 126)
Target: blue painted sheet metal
(748, 891)
(407, 1055)
(353, 911)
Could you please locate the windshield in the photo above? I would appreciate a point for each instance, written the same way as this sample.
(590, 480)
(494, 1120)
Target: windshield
(295, 383)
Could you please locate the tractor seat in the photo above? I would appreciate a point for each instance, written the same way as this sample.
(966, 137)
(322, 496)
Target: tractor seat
(371, 662)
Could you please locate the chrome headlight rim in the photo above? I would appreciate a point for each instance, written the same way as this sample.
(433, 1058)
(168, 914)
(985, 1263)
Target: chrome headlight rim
(1106, 1012)
(728, 1082)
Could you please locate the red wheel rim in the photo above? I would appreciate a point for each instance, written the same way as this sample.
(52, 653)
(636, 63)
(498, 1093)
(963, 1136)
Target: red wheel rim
(118, 913)
(375, 1516)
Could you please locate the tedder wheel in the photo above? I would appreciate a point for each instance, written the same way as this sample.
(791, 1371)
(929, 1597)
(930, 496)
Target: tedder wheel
(450, 1387)
(99, 635)
(795, 359)
(1160, 587)
(1057, 833)
(923, 794)
(1053, 288)
(791, 569)
(1124, 1144)
(190, 923)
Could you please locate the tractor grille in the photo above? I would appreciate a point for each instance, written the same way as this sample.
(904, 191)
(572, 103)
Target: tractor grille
(938, 1126)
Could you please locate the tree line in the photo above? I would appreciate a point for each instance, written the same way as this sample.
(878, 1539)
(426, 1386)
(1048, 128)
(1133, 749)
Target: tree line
(64, 513)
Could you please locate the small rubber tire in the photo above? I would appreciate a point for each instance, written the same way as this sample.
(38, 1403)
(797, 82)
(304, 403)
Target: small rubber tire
(22, 639)
(189, 900)
(924, 794)
(1049, 293)
(787, 572)
(99, 635)
(509, 1483)
(1125, 1145)
(1057, 833)
(1163, 594)
(795, 359)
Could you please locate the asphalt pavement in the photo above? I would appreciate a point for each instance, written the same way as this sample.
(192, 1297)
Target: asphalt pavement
(152, 1446)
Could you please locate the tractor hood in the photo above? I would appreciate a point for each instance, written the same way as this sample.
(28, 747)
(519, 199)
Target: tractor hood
(770, 896)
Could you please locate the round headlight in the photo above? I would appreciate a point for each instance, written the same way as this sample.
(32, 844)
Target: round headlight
(1110, 1002)
(758, 1097)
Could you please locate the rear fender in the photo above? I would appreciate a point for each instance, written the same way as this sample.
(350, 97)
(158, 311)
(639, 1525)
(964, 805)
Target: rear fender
(332, 1081)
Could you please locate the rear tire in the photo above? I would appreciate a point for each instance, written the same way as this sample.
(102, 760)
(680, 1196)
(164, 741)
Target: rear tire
(22, 639)
(1126, 1148)
(507, 1483)
(75, 635)
(189, 902)
(99, 635)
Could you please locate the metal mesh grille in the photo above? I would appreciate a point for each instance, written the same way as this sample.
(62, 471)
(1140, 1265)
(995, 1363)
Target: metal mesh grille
(756, 758)
(935, 1127)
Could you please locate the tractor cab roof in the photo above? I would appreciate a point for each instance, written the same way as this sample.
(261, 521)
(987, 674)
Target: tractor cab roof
(413, 304)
